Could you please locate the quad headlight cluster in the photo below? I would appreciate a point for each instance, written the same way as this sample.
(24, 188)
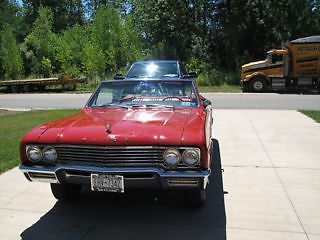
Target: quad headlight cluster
(189, 157)
(47, 154)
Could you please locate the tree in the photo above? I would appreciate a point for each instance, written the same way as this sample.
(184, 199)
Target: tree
(66, 13)
(106, 34)
(166, 26)
(10, 55)
(94, 60)
(10, 14)
(70, 49)
(131, 44)
(266, 24)
(122, 6)
(40, 44)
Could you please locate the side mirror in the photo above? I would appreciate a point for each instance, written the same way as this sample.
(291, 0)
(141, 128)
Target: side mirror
(118, 76)
(206, 103)
(190, 75)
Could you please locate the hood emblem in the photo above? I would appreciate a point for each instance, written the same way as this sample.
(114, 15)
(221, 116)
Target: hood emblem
(113, 138)
(108, 126)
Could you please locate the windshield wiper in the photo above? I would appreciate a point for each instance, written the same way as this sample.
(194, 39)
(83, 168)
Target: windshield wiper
(137, 76)
(111, 105)
(153, 105)
(127, 99)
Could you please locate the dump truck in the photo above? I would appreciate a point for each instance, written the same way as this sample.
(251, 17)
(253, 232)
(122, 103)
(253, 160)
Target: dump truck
(296, 66)
(68, 82)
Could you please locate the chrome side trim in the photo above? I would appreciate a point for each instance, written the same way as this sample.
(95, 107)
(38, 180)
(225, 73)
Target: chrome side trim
(133, 147)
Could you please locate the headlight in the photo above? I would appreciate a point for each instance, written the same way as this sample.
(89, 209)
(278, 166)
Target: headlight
(191, 156)
(34, 153)
(172, 157)
(49, 154)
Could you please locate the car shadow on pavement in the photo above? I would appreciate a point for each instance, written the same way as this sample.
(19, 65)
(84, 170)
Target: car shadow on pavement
(137, 215)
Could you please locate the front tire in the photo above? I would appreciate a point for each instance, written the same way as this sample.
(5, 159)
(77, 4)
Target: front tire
(195, 198)
(65, 192)
(258, 84)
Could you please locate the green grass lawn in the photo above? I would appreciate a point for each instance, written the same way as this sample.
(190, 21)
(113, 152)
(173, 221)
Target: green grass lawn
(222, 88)
(315, 115)
(13, 127)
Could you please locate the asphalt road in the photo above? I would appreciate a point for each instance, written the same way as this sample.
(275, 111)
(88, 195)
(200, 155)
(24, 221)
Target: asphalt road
(220, 101)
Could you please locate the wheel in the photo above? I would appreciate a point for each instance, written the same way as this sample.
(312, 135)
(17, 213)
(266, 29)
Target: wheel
(14, 88)
(195, 197)
(258, 85)
(27, 88)
(65, 192)
(41, 88)
(69, 87)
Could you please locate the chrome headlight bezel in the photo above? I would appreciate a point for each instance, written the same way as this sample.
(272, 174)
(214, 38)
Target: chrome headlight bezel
(54, 155)
(191, 157)
(30, 148)
(169, 155)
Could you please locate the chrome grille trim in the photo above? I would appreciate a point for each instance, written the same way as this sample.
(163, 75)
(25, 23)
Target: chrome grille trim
(116, 157)
(111, 156)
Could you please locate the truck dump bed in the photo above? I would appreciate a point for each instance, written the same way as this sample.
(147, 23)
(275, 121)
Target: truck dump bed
(305, 56)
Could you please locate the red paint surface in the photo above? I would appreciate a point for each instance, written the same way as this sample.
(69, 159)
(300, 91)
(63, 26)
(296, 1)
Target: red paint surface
(137, 126)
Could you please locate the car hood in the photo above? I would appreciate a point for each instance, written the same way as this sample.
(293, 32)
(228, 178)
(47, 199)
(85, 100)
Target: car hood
(117, 126)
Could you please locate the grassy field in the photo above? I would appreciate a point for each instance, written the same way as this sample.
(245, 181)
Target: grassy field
(14, 126)
(222, 88)
(315, 115)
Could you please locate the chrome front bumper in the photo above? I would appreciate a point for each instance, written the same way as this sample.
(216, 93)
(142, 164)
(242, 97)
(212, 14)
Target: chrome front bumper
(133, 177)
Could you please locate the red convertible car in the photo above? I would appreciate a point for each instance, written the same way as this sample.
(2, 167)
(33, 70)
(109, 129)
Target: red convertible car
(141, 133)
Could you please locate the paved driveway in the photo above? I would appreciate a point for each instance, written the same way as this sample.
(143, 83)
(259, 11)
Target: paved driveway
(270, 189)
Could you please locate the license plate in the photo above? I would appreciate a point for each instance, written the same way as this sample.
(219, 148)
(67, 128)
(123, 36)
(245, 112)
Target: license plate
(107, 183)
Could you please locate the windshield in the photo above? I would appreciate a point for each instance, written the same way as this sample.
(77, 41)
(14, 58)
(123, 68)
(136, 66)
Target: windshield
(153, 70)
(145, 93)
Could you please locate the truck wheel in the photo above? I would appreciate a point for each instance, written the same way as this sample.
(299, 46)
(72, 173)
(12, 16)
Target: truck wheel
(65, 192)
(27, 88)
(14, 88)
(69, 87)
(41, 88)
(258, 85)
(195, 197)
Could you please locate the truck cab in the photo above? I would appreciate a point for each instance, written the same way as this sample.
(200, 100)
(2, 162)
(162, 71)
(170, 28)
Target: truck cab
(295, 66)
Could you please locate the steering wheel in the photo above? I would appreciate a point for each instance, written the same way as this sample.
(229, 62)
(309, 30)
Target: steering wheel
(169, 97)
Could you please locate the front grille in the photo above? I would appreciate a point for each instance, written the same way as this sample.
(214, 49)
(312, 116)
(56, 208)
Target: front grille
(109, 156)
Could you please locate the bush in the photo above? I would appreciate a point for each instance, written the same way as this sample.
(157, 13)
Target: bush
(214, 77)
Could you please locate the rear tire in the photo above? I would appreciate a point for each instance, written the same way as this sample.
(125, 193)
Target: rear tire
(27, 88)
(195, 198)
(41, 88)
(65, 192)
(258, 84)
(14, 88)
